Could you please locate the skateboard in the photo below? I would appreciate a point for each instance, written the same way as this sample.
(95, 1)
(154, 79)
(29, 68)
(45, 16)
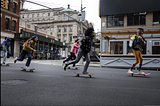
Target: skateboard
(72, 67)
(139, 74)
(6, 64)
(78, 74)
(30, 70)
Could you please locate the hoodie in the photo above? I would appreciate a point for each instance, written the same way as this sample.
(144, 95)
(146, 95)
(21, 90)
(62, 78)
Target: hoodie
(75, 48)
(6, 43)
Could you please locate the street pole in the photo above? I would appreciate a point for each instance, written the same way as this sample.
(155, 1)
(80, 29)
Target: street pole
(81, 60)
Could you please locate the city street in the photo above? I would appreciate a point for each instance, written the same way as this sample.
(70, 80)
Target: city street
(50, 85)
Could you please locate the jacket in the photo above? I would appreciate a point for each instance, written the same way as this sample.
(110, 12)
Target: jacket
(75, 48)
(31, 45)
(138, 42)
(86, 44)
(6, 43)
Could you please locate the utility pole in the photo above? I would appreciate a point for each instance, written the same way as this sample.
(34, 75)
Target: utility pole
(81, 60)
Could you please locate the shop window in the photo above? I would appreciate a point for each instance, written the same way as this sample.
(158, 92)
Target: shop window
(156, 17)
(115, 20)
(116, 47)
(136, 19)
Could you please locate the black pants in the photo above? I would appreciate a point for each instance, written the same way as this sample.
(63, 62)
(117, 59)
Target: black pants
(22, 56)
(71, 57)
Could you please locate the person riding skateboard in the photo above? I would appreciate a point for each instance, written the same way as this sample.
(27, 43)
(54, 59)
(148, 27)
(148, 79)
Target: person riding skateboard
(84, 49)
(28, 49)
(73, 52)
(6, 47)
(136, 48)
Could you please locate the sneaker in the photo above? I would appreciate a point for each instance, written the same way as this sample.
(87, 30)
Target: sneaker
(15, 60)
(65, 66)
(130, 71)
(27, 68)
(85, 72)
(141, 72)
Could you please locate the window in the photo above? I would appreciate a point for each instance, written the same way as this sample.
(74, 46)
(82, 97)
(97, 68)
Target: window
(37, 15)
(14, 7)
(65, 29)
(45, 29)
(48, 14)
(13, 25)
(70, 29)
(65, 17)
(136, 19)
(116, 47)
(59, 38)
(156, 17)
(115, 20)
(64, 38)
(59, 18)
(70, 36)
(32, 15)
(22, 16)
(28, 16)
(51, 29)
(69, 48)
(7, 23)
(8, 2)
(43, 14)
(53, 14)
(59, 29)
(70, 16)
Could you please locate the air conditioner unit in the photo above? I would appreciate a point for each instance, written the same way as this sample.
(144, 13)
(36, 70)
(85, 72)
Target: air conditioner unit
(156, 43)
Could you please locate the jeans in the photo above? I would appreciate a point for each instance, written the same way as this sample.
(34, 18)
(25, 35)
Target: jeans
(5, 56)
(22, 56)
(79, 55)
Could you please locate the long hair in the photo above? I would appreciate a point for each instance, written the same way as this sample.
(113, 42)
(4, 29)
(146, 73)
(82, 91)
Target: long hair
(76, 40)
(89, 32)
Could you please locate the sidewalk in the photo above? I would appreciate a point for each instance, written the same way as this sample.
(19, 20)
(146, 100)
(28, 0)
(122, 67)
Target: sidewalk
(50, 62)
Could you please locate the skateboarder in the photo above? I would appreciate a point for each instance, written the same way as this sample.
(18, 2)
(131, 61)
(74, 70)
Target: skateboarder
(29, 50)
(136, 48)
(84, 49)
(73, 52)
(5, 46)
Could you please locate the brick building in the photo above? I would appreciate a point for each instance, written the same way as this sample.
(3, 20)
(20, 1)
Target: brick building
(10, 21)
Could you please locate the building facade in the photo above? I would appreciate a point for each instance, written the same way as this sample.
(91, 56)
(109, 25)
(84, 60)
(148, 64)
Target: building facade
(63, 28)
(10, 21)
(118, 26)
(119, 21)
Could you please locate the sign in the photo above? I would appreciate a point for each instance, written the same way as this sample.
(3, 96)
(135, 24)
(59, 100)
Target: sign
(80, 34)
(51, 48)
(81, 16)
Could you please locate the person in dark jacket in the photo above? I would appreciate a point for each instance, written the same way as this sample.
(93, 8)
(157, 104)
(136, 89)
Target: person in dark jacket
(5, 46)
(136, 48)
(28, 49)
(84, 49)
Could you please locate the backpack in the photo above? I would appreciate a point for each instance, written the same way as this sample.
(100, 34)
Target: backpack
(133, 41)
(86, 44)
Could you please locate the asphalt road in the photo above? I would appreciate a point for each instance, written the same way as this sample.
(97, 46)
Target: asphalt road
(50, 85)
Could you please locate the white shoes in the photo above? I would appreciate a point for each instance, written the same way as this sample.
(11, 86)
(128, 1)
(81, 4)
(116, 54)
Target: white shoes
(27, 69)
(130, 71)
(140, 72)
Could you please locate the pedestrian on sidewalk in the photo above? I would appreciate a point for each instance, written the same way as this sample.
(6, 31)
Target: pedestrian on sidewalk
(73, 52)
(84, 49)
(5, 47)
(137, 44)
(28, 49)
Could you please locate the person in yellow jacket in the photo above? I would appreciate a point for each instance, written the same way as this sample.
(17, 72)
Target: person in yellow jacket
(28, 49)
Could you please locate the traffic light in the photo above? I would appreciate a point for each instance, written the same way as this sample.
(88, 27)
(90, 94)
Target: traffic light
(4, 4)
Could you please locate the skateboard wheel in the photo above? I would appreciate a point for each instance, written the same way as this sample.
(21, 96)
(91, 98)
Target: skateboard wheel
(68, 67)
(132, 74)
(90, 76)
(76, 68)
(77, 75)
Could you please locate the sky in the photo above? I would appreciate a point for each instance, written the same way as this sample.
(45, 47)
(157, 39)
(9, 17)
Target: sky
(92, 11)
